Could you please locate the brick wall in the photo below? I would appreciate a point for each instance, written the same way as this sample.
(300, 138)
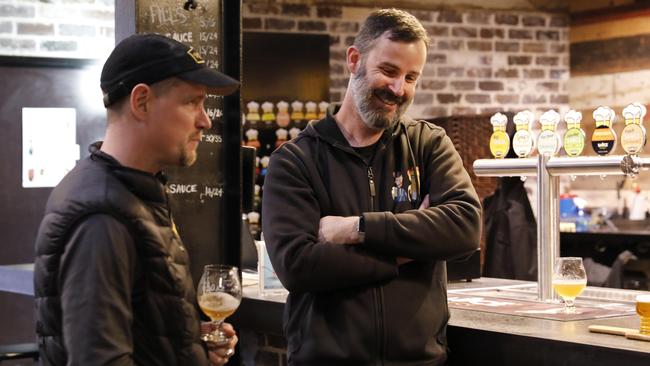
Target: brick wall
(57, 28)
(480, 61)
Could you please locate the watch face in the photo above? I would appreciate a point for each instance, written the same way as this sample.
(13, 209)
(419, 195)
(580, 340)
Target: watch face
(603, 140)
(522, 143)
(548, 143)
(574, 141)
(633, 138)
(499, 144)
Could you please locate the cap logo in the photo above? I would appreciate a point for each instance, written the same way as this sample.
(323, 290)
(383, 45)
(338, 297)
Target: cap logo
(195, 56)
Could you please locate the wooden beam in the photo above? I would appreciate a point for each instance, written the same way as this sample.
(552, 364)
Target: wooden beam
(610, 56)
(610, 13)
(631, 26)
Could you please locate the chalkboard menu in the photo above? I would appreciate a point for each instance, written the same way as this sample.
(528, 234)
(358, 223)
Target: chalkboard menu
(197, 192)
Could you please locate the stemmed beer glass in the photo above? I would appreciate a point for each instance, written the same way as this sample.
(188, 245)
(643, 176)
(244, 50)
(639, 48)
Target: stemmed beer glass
(219, 295)
(569, 279)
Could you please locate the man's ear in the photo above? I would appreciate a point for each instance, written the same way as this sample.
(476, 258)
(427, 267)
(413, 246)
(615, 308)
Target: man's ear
(353, 58)
(139, 100)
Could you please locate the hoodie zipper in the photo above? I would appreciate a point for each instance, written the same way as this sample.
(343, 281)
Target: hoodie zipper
(371, 184)
(378, 293)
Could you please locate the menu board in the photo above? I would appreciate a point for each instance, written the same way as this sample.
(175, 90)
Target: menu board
(196, 192)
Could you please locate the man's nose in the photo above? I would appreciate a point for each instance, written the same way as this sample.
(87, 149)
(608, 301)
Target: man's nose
(397, 86)
(204, 122)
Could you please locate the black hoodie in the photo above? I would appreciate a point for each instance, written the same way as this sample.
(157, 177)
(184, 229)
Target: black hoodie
(352, 304)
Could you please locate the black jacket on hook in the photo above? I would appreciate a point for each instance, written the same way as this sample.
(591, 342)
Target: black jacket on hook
(511, 233)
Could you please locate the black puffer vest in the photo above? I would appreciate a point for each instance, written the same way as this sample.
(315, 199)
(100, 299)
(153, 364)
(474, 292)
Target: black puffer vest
(166, 326)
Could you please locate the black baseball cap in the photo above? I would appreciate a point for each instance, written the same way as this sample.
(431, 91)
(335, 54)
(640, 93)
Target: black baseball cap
(148, 58)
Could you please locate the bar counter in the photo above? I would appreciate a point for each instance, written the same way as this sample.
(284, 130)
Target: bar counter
(477, 337)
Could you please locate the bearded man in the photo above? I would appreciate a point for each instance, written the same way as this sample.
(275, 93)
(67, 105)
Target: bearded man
(365, 268)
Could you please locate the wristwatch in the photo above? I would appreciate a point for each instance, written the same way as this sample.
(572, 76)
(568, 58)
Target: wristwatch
(361, 229)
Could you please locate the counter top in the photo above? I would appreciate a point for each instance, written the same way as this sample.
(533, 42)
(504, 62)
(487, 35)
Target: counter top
(482, 333)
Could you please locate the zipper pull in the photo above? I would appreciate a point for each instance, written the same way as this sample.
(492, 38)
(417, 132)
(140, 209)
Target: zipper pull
(371, 181)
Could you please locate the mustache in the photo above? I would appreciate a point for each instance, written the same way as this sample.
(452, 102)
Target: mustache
(388, 96)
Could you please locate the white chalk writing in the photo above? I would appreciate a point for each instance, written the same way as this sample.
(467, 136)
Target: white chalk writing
(212, 138)
(182, 188)
(181, 37)
(165, 15)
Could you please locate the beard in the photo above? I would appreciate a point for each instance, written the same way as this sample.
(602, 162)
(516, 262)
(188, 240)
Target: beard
(376, 117)
(188, 156)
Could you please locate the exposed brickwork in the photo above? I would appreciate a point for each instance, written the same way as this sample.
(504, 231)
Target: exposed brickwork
(535, 47)
(520, 34)
(479, 46)
(534, 74)
(428, 84)
(251, 24)
(479, 72)
(18, 11)
(296, 9)
(436, 58)
(533, 21)
(450, 16)
(312, 26)
(463, 85)
(506, 19)
(35, 29)
(526, 45)
(492, 33)
(476, 62)
(75, 29)
(275, 24)
(490, 85)
(519, 60)
(329, 11)
(464, 32)
(506, 73)
(423, 98)
(478, 98)
(478, 17)
(437, 31)
(6, 27)
(507, 46)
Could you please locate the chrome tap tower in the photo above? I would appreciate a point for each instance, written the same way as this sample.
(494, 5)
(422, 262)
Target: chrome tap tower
(548, 170)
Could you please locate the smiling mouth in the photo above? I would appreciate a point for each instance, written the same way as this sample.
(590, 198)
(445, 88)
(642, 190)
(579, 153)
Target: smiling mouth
(386, 98)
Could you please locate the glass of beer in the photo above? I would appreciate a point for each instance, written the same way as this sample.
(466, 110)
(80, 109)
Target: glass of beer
(569, 279)
(219, 294)
(643, 309)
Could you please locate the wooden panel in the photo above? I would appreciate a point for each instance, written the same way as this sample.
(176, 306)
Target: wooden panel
(634, 26)
(609, 56)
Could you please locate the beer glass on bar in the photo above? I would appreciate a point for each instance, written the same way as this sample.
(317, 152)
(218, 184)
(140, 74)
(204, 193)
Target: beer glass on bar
(643, 309)
(569, 279)
(219, 294)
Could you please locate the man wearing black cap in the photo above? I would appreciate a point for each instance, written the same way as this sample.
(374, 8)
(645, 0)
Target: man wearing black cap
(111, 280)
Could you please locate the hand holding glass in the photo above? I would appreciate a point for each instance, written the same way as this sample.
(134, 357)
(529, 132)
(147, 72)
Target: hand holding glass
(569, 279)
(219, 294)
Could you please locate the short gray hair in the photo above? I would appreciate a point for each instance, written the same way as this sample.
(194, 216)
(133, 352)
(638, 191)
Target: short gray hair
(400, 25)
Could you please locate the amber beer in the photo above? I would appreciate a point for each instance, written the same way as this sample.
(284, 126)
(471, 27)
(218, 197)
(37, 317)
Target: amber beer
(643, 309)
(569, 289)
(218, 305)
